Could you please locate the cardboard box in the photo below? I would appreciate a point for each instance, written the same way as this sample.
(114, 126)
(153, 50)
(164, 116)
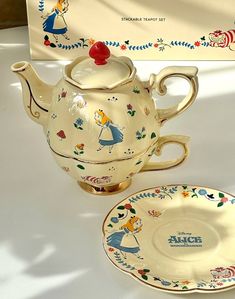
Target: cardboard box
(140, 29)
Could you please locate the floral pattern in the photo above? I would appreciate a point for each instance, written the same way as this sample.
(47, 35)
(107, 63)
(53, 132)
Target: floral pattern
(158, 43)
(222, 198)
(220, 276)
(97, 180)
(136, 90)
(62, 95)
(140, 134)
(126, 209)
(53, 115)
(154, 213)
(48, 43)
(78, 123)
(79, 149)
(218, 38)
(130, 110)
(161, 45)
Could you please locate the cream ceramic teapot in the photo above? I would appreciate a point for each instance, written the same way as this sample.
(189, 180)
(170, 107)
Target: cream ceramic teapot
(100, 120)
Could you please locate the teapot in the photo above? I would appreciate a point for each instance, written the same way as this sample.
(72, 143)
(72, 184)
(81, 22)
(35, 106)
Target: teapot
(100, 120)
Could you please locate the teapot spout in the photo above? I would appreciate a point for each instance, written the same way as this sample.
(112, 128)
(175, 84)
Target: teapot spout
(36, 93)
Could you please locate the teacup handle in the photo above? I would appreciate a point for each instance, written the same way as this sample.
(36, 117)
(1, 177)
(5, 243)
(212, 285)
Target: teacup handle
(157, 82)
(179, 139)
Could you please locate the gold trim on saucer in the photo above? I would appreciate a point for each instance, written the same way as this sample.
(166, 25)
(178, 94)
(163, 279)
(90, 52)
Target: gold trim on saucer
(106, 190)
(196, 289)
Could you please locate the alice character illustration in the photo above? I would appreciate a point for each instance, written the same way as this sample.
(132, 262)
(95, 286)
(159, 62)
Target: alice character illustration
(54, 22)
(107, 128)
(125, 239)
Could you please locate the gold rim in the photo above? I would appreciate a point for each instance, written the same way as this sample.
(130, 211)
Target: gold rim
(193, 290)
(103, 162)
(105, 190)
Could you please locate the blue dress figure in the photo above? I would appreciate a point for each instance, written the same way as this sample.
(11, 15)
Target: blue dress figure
(54, 22)
(125, 239)
(106, 124)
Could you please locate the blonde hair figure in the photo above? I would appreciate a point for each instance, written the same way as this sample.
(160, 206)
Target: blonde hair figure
(54, 22)
(125, 240)
(106, 123)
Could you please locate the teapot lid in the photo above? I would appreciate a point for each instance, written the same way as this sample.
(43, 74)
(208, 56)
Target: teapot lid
(101, 70)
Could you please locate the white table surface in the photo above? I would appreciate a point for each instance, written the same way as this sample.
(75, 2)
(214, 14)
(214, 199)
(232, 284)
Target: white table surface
(50, 230)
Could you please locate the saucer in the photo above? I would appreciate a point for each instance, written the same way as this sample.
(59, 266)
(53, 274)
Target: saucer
(176, 238)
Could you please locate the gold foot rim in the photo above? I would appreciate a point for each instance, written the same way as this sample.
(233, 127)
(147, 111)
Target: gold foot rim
(105, 190)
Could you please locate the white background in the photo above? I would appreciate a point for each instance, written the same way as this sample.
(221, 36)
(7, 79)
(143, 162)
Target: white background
(50, 230)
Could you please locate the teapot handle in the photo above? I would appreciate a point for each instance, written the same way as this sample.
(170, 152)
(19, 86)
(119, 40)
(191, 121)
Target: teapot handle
(188, 73)
(164, 140)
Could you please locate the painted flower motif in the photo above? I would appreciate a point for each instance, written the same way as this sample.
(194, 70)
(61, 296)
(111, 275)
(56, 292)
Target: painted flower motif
(130, 110)
(80, 146)
(62, 95)
(185, 282)
(136, 90)
(53, 115)
(91, 41)
(79, 149)
(128, 206)
(114, 220)
(157, 190)
(224, 199)
(123, 47)
(165, 283)
(202, 192)
(144, 273)
(197, 44)
(47, 42)
(154, 213)
(219, 283)
(78, 123)
(110, 249)
(141, 272)
(185, 194)
(156, 45)
(141, 133)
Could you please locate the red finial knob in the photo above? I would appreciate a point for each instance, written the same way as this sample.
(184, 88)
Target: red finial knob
(100, 52)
